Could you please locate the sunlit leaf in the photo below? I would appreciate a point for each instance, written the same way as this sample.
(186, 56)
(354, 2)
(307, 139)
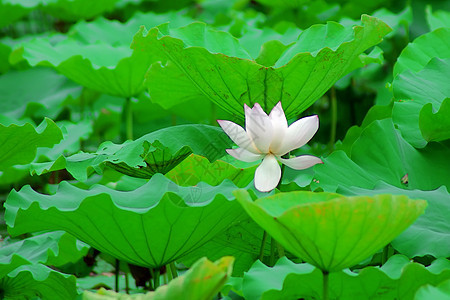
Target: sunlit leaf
(196, 168)
(151, 226)
(201, 282)
(430, 234)
(316, 226)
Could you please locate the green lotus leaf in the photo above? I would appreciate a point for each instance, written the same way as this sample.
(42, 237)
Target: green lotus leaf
(399, 278)
(241, 240)
(116, 33)
(430, 234)
(151, 226)
(381, 154)
(41, 93)
(156, 152)
(13, 10)
(196, 168)
(437, 19)
(316, 226)
(19, 143)
(119, 73)
(413, 91)
(441, 291)
(435, 126)
(202, 62)
(37, 281)
(73, 10)
(201, 282)
(417, 54)
(54, 248)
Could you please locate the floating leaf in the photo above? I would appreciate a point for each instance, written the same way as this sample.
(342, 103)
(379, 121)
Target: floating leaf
(316, 226)
(397, 279)
(19, 143)
(31, 281)
(156, 152)
(201, 282)
(430, 234)
(212, 64)
(151, 226)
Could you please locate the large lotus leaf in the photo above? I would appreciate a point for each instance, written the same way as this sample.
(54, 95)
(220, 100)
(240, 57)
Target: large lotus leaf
(418, 53)
(435, 126)
(73, 10)
(202, 62)
(112, 70)
(241, 240)
(115, 33)
(41, 93)
(330, 231)
(437, 19)
(13, 10)
(441, 291)
(196, 168)
(150, 226)
(430, 234)
(381, 154)
(413, 91)
(54, 248)
(201, 282)
(19, 143)
(156, 152)
(398, 278)
(37, 281)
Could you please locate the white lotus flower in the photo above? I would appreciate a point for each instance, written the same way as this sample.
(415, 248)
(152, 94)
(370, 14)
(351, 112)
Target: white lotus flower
(268, 137)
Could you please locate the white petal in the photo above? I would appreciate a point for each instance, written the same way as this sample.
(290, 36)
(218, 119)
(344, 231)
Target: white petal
(244, 155)
(299, 133)
(280, 125)
(258, 127)
(268, 174)
(238, 135)
(301, 162)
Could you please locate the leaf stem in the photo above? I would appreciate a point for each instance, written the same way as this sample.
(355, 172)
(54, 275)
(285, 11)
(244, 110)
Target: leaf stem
(127, 284)
(386, 254)
(128, 112)
(116, 286)
(173, 270)
(273, 246)
(325, 295)
(333, 118)
(263, 244)
(156, 275)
